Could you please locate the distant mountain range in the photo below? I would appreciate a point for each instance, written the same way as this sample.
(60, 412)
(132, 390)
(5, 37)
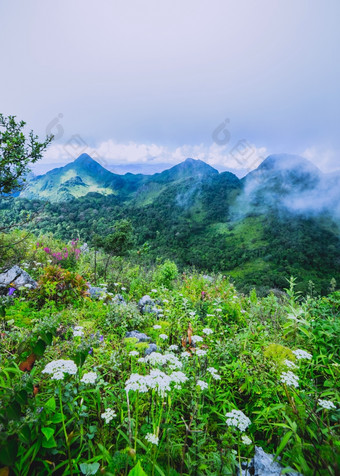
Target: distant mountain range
(279, 220)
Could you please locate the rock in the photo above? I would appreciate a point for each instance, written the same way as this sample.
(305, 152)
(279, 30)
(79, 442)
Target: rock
(17, 277)
(147, 305)
(263, 464)
(96, 292)
(119, 299)
(140, 336)
(150, 349)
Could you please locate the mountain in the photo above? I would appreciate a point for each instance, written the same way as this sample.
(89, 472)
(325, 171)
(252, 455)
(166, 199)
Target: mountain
(282, 219)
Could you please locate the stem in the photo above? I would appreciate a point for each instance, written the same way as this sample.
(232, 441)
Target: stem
(136, 422)
(65, 432)
(129, 418)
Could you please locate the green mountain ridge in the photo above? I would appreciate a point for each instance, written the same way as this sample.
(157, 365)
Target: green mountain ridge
(280, 220)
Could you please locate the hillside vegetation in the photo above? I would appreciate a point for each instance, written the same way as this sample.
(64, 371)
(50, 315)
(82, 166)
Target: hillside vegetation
(230, 371)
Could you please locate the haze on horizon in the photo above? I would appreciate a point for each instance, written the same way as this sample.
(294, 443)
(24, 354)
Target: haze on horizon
(147, 82)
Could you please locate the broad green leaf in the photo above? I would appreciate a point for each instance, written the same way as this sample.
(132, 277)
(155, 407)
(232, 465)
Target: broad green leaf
(48, 432)
(137, 471)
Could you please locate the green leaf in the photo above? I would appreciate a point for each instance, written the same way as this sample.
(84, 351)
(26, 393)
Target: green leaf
(48, 432)
(137, 471)
(89, 468)
(284, 442)
(8, 452)
(50, 443)
(57, 418)
(50, 404)
(39, 347)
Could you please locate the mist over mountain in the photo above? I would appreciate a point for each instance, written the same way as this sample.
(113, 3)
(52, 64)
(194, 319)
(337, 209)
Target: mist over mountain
(281, 219)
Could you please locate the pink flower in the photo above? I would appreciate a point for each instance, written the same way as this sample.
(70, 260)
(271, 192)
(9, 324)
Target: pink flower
(47, 250)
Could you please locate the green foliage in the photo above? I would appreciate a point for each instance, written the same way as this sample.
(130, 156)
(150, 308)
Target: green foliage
(166, 273)
(17, 151)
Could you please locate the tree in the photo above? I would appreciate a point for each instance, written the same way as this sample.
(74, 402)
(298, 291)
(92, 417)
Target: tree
(17, 151)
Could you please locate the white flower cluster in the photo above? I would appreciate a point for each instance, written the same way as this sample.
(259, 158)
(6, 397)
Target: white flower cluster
(327, 404)
(159, 359)
(163, 336)
(238, 419)
(289, 378)
(78, 331)
(200, 352)
(156, 380)
(302, 354)
(290, 364)
(108, 415)
(203, 385)
(185, 355)
(151, 438)
(133, 353)
(246, 440)
(207, 331)
(213, 373)
(89, 377)
(196, 339)
(156, 326)
(58, 368)
(173, 347)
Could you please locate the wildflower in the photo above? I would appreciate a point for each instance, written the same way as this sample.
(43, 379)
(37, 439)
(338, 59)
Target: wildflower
(327, 404)
(60, 367)
(157, 326)
(163, 336)
(246, 440)
(302, 354)
(207, 331)
(290, 364)
(213, 373)
(123, 289)
(165, 301)
(192, 313)
(202, 385)
(11, 291)
(185, 355)
(209, 315)
(238, 419)
(200, 352)
(218, 310)
(89, 377)
(133, 353)
(78, 331)
(173, 347)
(289, 378)
(196, 339)
(151, 438)
(108, 415)
(153, 290)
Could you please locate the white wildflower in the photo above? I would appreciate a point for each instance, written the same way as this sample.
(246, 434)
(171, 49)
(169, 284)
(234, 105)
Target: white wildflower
(108, 415)
(185, 355)
(246, 440)
(89, 377)
(154, 290)
(151, 438)
(302, 354)
(157, 326)
(192, 313)
(57, 368)
(142, 360)
(210, 315)
(200, 352)
(219, 310)
(213, 373)
(202, 385)
(133, 353)
(163, 336)
(78, 331)
(207, 331)
(238, 419)
(289, 378)
(196, 339)
(173, 347)
(290, 364)
(327, 404)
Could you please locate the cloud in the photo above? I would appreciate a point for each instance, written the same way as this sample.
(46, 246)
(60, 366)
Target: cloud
(327, 159)
(240, 156)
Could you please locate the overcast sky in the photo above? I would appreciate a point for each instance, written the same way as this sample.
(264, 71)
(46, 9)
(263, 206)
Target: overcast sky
(154, 82)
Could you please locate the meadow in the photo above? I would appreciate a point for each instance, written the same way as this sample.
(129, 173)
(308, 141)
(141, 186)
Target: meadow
(228, 371)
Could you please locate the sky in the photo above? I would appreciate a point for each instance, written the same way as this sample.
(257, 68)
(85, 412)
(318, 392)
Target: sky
(144, 84)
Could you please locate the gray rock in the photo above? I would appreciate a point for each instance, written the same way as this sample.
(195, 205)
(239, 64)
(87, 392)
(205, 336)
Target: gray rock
(150, 349)
(17, 277)
(96, 292)
(147, 305)
(140, 336)
(263, 464)
(119, 299)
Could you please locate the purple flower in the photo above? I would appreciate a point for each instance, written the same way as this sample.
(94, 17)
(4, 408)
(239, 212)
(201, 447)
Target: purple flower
(101, 338)
(47, 250)
(91, 351)
(11, 291)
